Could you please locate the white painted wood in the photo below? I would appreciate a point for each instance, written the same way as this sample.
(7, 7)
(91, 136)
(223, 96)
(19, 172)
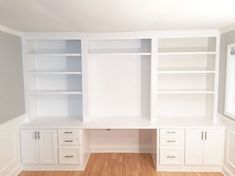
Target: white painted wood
(8, 30)
(69, 155)
(213, 147)
(29, 147)
(194, 147)
(230, 143)
(47, 146)
(67, 141)
(201, 146)
(10, 162)
(38, 146)
(229, 104)
(171, 156)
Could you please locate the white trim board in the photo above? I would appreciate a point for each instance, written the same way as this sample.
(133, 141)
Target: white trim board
(228, 28)
(10, 31)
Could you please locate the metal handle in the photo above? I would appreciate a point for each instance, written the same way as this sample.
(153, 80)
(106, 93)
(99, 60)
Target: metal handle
(68, 141)
(68, 156)
(35, 135)
(170, 156)
(170, 132)
(205, 135)
(202, 136)
(170, 141)
(38, 135)
(68, 132)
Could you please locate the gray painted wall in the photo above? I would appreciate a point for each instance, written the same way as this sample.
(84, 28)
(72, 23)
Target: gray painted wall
(11, 78)
(226, 38)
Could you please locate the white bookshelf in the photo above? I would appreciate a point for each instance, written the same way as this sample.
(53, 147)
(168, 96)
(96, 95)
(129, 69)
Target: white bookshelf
(53, 74)
(187, 79)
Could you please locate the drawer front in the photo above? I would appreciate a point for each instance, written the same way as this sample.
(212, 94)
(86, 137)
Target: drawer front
(171, 156)
(68, 132)
(171, 141)
(69, 155)
(66, 141)
(172, 132)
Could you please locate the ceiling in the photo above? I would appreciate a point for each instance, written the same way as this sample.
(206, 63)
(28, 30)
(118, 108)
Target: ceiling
(115, 15)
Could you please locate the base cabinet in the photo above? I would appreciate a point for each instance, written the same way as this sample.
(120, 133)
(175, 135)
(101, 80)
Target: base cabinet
(38, 146)
(204, 147)
(197, 149)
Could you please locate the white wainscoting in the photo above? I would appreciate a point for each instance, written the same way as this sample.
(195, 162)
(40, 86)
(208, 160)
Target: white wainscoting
(229, 165)
(10, 164)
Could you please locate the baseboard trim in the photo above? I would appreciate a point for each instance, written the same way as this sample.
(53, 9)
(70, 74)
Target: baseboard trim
(16, 171)
(227, 172)
(121, 149)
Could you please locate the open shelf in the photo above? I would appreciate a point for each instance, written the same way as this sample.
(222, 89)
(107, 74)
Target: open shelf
(185, 51)
(54, 77)
(54, 47)
(186, 78)
(50, 72)
(120, 47)
(185, 92)
(118, 52)
(55, 92)
(184, 70)
(185, 106)
(53, 54)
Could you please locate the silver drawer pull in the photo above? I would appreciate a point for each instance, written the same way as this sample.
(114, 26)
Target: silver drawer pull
(170, 141)
(170, 132)
(68, 141)
(68, 156)
(171, 157)
(68, 132)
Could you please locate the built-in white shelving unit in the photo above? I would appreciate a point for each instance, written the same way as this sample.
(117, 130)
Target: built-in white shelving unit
(187, 78)
(53, 75)
(127, 78)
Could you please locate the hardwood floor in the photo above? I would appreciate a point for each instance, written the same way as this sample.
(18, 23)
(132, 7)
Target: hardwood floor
(121, 164)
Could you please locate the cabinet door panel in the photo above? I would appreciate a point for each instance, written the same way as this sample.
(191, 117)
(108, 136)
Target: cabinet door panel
(213, 147)
(29, 147)
(47, 147)
(193, 147)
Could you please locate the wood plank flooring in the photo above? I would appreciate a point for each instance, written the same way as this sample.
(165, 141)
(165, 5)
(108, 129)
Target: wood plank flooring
(121, 164)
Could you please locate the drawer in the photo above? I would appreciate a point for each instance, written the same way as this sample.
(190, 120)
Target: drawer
(68, 132)
(172, 132)
(171, 141)
(171, 156)
(69, 155)
(66, 141)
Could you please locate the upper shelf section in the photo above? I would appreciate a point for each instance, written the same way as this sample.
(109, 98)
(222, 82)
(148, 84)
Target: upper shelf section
(120, 47)
(187, 46)
(54, 47)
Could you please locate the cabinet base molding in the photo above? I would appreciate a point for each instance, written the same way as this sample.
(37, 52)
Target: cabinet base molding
(190, 168)
(53, 168)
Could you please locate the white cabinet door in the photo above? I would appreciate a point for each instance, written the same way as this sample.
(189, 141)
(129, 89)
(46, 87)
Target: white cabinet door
(29, 146)
(194, 147)
(47, 147)
(213, 147)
